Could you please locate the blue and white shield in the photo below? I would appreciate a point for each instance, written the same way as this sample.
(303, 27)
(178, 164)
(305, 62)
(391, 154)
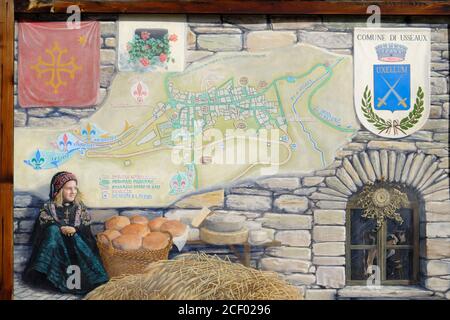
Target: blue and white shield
(392, 87)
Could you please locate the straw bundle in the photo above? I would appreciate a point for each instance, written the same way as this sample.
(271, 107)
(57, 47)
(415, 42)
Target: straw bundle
(197, 277)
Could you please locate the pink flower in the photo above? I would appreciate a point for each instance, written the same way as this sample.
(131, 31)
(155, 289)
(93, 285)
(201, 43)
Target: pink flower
(162, 57)
(128, 47)
(173, 37)
(145, 35)
(147, 47)
(144, 61)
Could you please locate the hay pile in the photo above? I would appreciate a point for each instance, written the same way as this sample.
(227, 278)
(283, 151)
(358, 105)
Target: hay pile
(197, 277)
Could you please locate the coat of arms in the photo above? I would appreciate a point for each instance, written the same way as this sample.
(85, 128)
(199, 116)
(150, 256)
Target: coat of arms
(392, 80)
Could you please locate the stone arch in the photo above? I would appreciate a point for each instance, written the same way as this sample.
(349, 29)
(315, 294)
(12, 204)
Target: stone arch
(421, 174)
(414, 170)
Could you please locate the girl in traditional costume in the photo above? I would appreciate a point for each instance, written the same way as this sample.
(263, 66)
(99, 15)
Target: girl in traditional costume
(63, 245)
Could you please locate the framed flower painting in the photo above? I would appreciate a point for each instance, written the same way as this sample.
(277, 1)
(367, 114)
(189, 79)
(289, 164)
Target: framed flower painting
(152, 45)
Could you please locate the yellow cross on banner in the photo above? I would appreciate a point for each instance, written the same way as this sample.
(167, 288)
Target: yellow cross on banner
(56, 67)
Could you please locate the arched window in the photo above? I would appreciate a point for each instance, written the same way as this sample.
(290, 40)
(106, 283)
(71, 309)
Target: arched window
(382, 236)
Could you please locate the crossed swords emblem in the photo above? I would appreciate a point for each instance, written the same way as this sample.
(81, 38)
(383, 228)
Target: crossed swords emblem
(382, 101)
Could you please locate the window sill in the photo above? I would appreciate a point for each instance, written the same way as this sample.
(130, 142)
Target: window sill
(385, 292)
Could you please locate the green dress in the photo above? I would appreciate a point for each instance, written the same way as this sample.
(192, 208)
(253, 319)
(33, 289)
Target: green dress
(53, 252)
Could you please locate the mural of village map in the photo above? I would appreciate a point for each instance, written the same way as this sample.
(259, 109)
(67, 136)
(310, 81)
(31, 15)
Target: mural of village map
(294, 105)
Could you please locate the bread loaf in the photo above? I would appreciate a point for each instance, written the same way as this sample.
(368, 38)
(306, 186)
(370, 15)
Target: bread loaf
(139, 220)
(128, 242)
(155, 241)
(137, 229)
(156, 223)
(109, 234)
(117, 223)
(174, 227)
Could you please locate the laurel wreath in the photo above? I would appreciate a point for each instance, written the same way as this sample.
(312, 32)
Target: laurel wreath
(415, 115)
(370, 115)
(387, 125)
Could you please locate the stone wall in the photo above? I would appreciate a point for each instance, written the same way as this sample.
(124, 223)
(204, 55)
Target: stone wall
(305, 213)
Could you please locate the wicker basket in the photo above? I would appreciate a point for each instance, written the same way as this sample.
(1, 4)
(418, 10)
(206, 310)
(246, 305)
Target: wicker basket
(120, 262)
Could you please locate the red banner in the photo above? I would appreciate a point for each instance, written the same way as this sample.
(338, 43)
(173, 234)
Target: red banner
(58, 66)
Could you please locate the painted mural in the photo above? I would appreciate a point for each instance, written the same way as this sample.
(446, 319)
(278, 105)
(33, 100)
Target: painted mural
(230, 154)
(162, 135)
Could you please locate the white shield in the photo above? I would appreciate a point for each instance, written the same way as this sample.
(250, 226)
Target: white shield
(392, 79)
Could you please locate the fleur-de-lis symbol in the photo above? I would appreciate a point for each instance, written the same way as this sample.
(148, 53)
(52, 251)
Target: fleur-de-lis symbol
(89, 131)
(178, 183)
(37, 161)
(140, 92)
(65, 142)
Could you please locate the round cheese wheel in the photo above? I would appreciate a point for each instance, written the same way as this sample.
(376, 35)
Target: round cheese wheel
(155, 241)
(135, 228)
(127, 242)
(156, 223)
(139, 219)
(174, 227)
(110, 234)
(117, 223)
